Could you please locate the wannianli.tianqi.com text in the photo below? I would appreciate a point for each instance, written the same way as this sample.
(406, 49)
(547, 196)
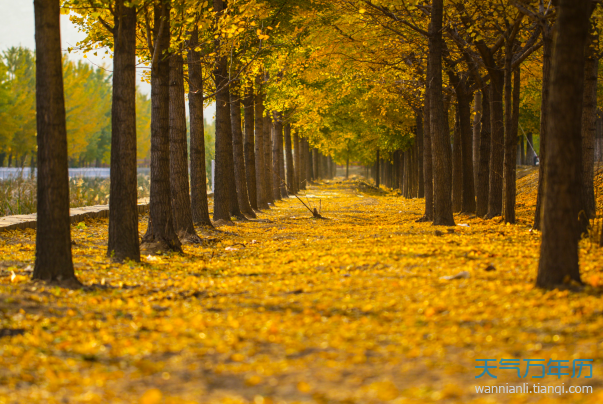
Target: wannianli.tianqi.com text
(533, 388)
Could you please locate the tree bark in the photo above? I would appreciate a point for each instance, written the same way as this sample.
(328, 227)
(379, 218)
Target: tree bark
(561, 228)
(260, 164)
(510, 167)
(468, 195)
(53, 239)
(477, 118)
(457, 164)
(123, 204)
(315, 165)
(483, 176)
(199, 203)
(238, 153)
(249, 149)
(281, 159)
(377, 173)
(276, 133)
(420, 146)
(497, 146)
(547, 50)
(298, 161)
(179, 185)
(440, 137)
(290, 165)
(589, 128)
(427, 160)
(267, 130)
(161, 235)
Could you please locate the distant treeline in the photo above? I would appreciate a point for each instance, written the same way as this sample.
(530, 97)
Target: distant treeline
(88, 108)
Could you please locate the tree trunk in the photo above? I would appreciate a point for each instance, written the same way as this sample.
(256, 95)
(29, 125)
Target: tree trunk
(589, 128)
(483, 174)
(419, 156)
(199, 203)
(223, 167)
(276, 132)
(238, 153)
(315, 164)
(281, 159)
(427, 160)
(457, 164)
(53, 238)
(547, 50)
(522, 151)
(562, 193)
(249, 150)
(235, 208)
(260, 162)
(440, 137)
(510, 168)
(377, 179)
(497, 147)
(181, 202)
(477, 118)
(161, 235)
(291, 183)
(123, 205)
(531, 153)
(468, 196)
(268, 165)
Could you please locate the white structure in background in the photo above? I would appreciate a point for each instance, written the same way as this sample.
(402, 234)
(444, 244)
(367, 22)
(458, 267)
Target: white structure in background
(25, 172)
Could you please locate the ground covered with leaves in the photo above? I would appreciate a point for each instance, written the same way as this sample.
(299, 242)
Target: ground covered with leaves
(365, 306)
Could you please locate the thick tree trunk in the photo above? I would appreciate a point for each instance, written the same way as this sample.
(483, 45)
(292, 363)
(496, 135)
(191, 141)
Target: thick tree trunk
(562, 193)
(441, 158)
(179, 186)
(199, 203)
(123, 205)
(483, 173)
(161, 235)
(238, 153)
(497, 146)
(260, 162)
(249, 149)
(457, 164)
(292, 188)
(547, 51)
(589, 129)
(53, 238)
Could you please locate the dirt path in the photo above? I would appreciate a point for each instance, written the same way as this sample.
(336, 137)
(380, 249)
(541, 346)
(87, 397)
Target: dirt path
(287, 308)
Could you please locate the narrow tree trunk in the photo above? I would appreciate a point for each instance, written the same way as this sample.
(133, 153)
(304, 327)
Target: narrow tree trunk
(510, 168)
(427, 160)
(377, 176)
(53, 238)
(260, 162)
(547, 50)
(315, 164)
(160, 235)
(531, 153)
(238, 153)
(589, 129)
(347, 167)
(483, 174)
(477, 118)
(562, 192)
(276, 133)
(419, 156)
(123, 205)
(281, 159)
(199, 203)
(457, 164)
(235, 208)
(440, 137)
(268, 165)
(290, 166)
(249, 150)
(522, 151)
(298, 162)
(468, 196)
(179, 186)
(497, 146)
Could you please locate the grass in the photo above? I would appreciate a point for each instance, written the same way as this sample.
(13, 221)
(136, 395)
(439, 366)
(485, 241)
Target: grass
(18, 196)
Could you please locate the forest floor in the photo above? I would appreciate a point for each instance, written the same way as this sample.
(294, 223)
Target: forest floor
(287, 308)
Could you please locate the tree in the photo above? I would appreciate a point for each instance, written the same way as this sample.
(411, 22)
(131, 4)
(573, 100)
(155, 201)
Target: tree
(53, 238)
(123, 205)
(562, 202)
